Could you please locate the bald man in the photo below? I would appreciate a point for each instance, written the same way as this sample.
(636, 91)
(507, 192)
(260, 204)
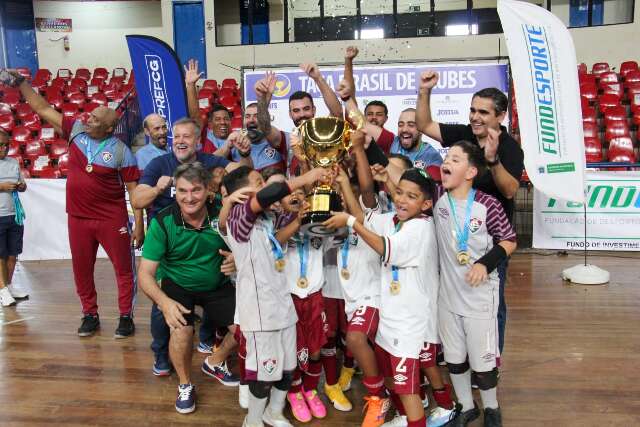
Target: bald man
(99, 164)
(156, 130)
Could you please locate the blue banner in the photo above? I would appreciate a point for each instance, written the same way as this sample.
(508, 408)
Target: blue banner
(159, 79)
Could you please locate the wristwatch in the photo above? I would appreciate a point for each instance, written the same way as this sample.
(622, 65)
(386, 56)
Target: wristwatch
(494, 163)
(245, 154)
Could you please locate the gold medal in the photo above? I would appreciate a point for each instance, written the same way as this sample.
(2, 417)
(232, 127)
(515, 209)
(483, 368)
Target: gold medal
(279, 264)
(463, 257)
(303, 282)
(89, 168)
(345, 274)
(395, 287)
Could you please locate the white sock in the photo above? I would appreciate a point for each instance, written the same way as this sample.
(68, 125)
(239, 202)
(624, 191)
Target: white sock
(277, 401)
(489, 398)
(462, 386)
(256, 409)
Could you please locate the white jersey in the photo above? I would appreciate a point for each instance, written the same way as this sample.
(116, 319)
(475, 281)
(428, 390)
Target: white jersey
(407, 318)
(362, 287)
(313, 251)
(263, 300)
(488, 224)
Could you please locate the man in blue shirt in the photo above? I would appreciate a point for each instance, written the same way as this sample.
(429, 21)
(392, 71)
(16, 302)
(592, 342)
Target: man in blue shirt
(409, 142)
(155, 128)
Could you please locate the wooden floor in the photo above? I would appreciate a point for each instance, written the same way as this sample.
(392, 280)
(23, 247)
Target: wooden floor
(572, 355)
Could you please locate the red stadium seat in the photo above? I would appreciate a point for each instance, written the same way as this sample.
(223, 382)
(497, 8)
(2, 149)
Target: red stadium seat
(34, 149)
(68, 91)
(78, 99)
(236, 123)
(128, 88)
(32, 122)
(58, 147)
(5, 108)
(92, 90)
(47, 133)
(613, 88)
(42, 75)
(22, 109)
(100, 98)
(210, 84)
(63, 164)
(237, 111)
(229, 103)
(615, 130)
(628, 66)
(227, 92)
(119, 72)
(7, 122)
(608, 77)
(64, 74)
(56, 100)
(70, 110)
(230, 83)
(15, 149)
(84, 74)
(593, 150)
(621, 147)
(587, 78)
(47, 172)
(58, 82)
(90, 106)
(11, 98)
(589, 115)
(24, 72)
(590, 130)
(97, 82)
(632, 77)
(600, 67)
(79, 83)
(582, 68)
(613, 114)
(607, 100)
(101, 73)
(584, 103)
(21, 134)
(589, 91)
(111, 89)
(52, 90)
(39, 86)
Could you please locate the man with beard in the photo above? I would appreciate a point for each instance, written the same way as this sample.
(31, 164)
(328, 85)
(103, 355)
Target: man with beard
(502, 153)
(155, 128)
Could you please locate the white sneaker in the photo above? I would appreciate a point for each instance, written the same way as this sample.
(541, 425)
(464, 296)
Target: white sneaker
(397, 421)
(246, 423)
(6, 299)
(17, 293)
(243, 396)
(275, 420)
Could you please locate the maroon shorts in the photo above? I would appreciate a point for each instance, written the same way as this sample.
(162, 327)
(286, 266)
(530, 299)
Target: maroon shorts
(404, 371)
(311, 329)
(336, 316)
(365, 320)
(428, 355)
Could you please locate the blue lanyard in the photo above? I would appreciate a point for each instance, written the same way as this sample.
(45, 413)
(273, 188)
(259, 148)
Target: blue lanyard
(303, 253)
(100, 147)
(395, 274)
(344, 252)
(462, 235)
(276, 248)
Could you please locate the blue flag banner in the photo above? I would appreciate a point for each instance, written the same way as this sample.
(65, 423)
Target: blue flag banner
(159, 79)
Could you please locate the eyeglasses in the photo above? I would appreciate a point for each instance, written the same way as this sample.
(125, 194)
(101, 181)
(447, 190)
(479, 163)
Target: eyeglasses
(204, 225)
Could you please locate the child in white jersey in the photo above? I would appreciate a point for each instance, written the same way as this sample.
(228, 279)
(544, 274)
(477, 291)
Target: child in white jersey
(406, 242)
(474, 236)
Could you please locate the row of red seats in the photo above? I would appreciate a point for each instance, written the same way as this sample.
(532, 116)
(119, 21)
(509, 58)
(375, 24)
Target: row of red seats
(44, 74)
(603, 67)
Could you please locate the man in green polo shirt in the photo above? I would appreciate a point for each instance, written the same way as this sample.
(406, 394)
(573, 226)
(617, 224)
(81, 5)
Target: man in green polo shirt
(183, 242)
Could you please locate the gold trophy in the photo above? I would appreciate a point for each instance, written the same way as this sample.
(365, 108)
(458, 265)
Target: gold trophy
(325, 142)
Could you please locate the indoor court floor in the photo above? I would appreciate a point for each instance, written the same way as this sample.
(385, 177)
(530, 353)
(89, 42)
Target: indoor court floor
(571, 358)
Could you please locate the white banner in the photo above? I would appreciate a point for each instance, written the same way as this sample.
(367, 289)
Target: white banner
(543, 66)
(395, 85)
(45, 228)
(613, 215)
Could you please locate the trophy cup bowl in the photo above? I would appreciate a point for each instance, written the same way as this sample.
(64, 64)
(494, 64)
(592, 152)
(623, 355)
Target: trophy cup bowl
(325, 142)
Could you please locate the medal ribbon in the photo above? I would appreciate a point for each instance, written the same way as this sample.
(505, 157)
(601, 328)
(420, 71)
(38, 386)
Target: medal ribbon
(303, 253)
(20, 215)
(100, 147)
(395, 274)
(276, 247)
(462, 235)
(344, 252)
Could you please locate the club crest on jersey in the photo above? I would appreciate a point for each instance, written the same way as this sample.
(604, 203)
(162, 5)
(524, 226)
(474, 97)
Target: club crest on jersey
(443, 213)
(269, 365)
(420, 164)
(400, 379)
(316, 242)
(303, 355)
(353, 239)
(474, 224)
(270, 152)
(214, 224)
(106, 156)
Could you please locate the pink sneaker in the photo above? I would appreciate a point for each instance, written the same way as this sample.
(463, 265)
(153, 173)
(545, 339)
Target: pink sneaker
(315, 404)
(299, 407)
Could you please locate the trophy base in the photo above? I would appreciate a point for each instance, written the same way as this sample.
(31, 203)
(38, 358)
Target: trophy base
(312, 225)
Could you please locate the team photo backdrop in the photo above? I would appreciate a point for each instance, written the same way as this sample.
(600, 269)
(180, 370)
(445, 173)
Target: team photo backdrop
(395, 85)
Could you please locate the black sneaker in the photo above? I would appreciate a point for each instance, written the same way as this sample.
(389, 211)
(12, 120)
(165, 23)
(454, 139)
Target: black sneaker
(125, 328)
(90, 324)
(461, 419)
(492, 417)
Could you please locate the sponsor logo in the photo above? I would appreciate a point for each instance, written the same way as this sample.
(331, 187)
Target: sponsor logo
(474, 224)
(488, 357)
(605, 196)
(357, 321)
(158, 87)
(409, 101)
(400, 379)
(269, 365)
(447, 112)
(443, 212)
(106, 156)
(283, 86)
(123, 230)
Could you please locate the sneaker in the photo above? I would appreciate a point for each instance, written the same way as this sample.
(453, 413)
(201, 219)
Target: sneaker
(125, 328)
(17, 293)
(397, 421)
(425, 401)
(274, 419)
(6, 299)
(315, 404)
(299, 407)
(461, 419)
(243, 396)
(204, 348)
(246, 423)
(492, 417)
(346, 374)
(221, 372)
(186, 401)
(376, 409)
(90, 324)
(440, 416)
(161, 366)
(337, 397)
